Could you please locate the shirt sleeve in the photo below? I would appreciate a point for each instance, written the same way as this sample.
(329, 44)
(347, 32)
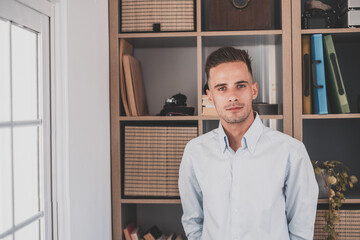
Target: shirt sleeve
(191, 198)
(301, 193)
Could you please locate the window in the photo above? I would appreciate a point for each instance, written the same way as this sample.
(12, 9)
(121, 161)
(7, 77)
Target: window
(25, 159)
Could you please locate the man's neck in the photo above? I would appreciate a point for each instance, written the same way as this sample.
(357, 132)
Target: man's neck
(236, 131)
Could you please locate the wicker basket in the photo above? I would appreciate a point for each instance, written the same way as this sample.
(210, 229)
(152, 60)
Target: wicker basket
(157, 15)
(348, 228)
(152, 158)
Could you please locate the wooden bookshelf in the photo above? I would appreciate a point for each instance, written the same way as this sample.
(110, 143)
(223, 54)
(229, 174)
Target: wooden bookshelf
(333, 137)
(198, 44)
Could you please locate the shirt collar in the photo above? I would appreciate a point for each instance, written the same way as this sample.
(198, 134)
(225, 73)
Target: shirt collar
(250, 138)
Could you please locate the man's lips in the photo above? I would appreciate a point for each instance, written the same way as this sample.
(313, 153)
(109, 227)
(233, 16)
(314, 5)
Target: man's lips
(234, 108)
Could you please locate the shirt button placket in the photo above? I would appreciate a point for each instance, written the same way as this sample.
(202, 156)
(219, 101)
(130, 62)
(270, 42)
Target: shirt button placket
(236, 196)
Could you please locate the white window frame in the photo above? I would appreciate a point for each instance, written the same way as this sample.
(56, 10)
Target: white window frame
(56, 11)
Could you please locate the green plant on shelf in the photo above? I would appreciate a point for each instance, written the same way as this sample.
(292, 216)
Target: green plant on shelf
(335, 177)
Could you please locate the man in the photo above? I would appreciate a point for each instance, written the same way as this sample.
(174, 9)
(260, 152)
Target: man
(244, 180)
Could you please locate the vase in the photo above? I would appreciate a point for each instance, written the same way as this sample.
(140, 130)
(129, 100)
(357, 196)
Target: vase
(323, 193)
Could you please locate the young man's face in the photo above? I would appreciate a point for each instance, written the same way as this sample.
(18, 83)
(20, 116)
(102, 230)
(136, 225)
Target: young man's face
(231, 90)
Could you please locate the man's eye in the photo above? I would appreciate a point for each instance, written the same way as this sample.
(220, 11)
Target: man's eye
(241, 86)
(221, 88)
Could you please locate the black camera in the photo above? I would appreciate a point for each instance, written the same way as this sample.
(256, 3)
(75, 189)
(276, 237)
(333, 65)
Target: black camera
(176, 106)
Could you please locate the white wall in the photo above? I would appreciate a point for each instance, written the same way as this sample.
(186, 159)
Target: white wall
(89, 120)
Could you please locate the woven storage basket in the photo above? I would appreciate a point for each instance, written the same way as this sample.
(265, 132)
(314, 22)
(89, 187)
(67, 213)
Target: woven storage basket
(152, 158)
(169, 15)
(348, 228)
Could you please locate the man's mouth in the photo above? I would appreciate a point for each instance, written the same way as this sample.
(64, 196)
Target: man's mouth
(234, 108)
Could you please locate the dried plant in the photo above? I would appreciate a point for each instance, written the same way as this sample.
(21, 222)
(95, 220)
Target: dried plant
(336, 179)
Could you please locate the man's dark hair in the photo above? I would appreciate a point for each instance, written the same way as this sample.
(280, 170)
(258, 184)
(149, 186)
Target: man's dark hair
(225, 55)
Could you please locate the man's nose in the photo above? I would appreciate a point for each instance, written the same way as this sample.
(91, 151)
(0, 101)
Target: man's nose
(232, 96)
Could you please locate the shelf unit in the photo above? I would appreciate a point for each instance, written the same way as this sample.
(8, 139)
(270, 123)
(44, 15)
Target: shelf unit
(197, 45)
(338, 133)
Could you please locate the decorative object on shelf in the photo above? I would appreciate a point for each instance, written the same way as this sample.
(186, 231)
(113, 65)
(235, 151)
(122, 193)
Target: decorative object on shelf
(351, 14)
(334, 178)
(321, 14)
(239, 14)
(263, 108)
(240, 3)
(176, 106)
(351, 19)
(157, 16)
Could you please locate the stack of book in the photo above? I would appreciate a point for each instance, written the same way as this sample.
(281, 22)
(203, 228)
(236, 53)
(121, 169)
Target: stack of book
(133, 233)
(152, 159)
(208, 107)
(323, 86)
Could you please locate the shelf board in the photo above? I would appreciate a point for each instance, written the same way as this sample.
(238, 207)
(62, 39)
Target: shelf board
(347, 201)
(158, 35)
(151, 201)
(331, 30)
(204, 117)
(271, 116)
(181, 118)
(178, 201)
(202, 34)
(245, 32)
(330, 116)
(159, 118)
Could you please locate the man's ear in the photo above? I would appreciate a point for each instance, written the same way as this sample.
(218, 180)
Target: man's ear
(255, 90)
(208, 93)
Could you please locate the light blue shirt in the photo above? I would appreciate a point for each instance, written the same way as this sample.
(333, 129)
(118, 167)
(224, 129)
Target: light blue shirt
(266, 190)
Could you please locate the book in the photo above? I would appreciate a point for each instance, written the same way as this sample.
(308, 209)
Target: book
(335, 84)
(171, 237)
(209, 111)
(124, 48)
(163, 237)
(135, 86)
(179, 237)
(318, 75)
(208, 108)
(153, 233)
(135, 234)
(306, 74)
(128, 230)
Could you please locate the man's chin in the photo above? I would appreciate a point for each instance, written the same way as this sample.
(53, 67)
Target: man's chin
(235, 119)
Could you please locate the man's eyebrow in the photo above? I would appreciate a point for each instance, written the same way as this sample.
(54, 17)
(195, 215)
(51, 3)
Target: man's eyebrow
(241, 81)
(220, 85)
(224, 84)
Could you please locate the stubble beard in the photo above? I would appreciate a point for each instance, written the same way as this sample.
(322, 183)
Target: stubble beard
(235, 119)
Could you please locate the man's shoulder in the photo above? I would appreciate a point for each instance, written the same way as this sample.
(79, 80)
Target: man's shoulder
(203, 139)
(281, 139)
